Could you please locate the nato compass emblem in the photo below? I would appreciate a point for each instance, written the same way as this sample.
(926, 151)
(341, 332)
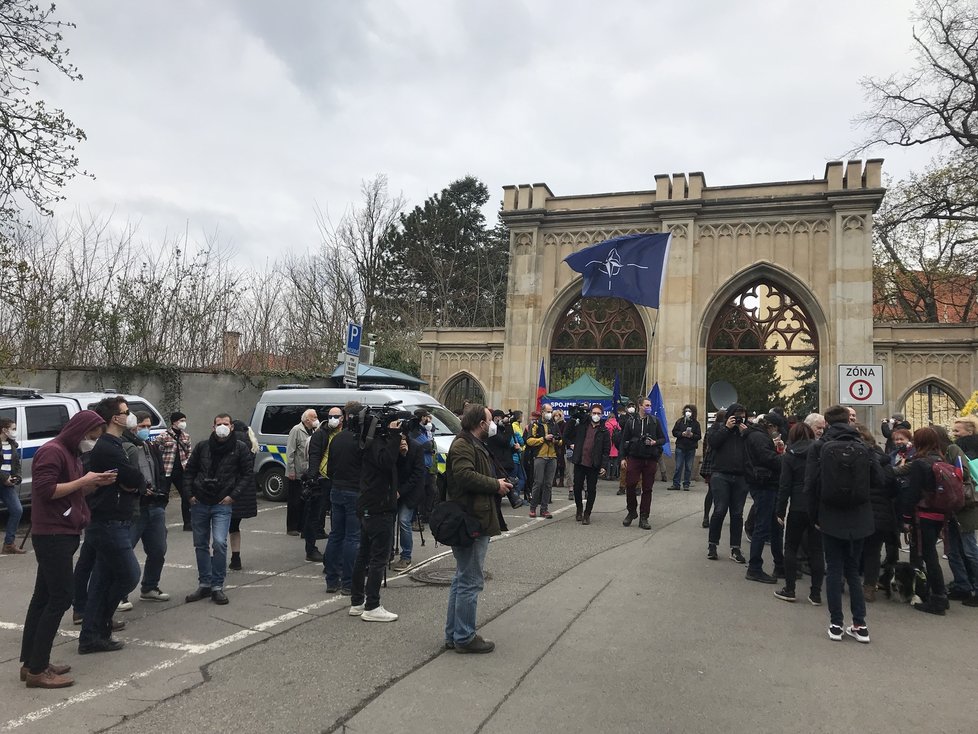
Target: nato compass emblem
(613, 265)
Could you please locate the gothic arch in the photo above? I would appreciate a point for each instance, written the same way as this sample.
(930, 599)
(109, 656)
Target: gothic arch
(950, 390)
(462, 385)
(778, 276)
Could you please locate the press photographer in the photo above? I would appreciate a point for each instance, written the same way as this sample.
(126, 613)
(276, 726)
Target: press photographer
(150, 526)
(380, 437)
(641, 446)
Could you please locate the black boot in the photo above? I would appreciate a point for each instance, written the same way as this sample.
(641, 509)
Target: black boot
(935, 605)
(628, 518)
(643, 522)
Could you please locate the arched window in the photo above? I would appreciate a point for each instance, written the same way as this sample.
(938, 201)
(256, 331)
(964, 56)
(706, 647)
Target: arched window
(601, 337)
(930, 403)
(463, 387)
(763, 342)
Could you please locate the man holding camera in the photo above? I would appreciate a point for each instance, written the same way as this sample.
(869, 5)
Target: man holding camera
(150, 527)
(376, 506)
(545, 438)
(296, 467)
(641, 447)
(219, 471)
(727, 482)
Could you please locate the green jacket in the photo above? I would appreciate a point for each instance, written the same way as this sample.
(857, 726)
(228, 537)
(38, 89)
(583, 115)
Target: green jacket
(471, 481)
(968, 517)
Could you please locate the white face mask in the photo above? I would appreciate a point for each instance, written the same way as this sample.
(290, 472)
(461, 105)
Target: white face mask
(631, 411)
(181, 426)
(689, 414)
(334, 422)
(131, 421)
(429, 427)
(11, 433)
(492, 428)
(595, 418)
(222, 431)
(86, 445)
(548, 416)
(315, 424)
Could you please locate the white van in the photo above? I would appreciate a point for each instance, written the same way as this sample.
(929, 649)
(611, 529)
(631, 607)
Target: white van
(40, 417)
(279, 410)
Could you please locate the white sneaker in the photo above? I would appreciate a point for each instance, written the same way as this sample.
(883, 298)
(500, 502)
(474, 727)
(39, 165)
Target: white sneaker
(860, 634)
(356, 611)
(154, 595)
(378, 615)
(125, 606)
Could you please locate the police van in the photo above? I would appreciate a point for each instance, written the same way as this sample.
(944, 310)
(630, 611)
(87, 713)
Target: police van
(40, 416)
(278, 411)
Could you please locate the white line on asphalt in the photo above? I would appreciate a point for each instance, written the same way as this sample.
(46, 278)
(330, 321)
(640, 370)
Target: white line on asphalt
(261, 509)
(74, 634)
(193, 650)
(253, 571)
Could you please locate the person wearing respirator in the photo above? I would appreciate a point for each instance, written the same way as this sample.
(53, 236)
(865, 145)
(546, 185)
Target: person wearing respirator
(175, 445)
(296, 465)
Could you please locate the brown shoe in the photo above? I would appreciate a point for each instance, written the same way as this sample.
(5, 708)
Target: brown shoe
(869, 592)
(47, 679)
(9, 549)
(54, 668)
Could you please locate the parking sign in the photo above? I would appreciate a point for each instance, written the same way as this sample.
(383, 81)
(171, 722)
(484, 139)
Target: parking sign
(353, 334)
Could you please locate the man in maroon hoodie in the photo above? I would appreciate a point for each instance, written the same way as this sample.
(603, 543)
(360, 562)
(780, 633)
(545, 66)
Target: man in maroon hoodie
(58, 515)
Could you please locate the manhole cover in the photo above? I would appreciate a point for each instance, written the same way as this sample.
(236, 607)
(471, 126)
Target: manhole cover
(438, 576)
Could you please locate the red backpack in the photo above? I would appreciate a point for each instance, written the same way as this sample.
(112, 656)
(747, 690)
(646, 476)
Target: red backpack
(948, 493)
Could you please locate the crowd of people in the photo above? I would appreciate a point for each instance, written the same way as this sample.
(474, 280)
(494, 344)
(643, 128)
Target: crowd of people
(827, 499)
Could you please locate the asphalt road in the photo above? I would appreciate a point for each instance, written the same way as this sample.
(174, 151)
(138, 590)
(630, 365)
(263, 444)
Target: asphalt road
(597, 628)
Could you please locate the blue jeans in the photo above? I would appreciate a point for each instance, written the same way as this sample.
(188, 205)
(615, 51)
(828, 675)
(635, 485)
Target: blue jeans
(463, 595)
(729, 493)
(82, 575)
(343, 541)
(116, 573)
(962, 557)
(405, 518)
(151, 529)
(684, 465)
(15, 510)
(765, 529)
(211, 524)
(842, 562)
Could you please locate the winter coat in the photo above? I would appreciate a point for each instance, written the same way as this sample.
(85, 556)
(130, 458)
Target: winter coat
(611, 423)
(633, 438)
(176, 447)
(14, 461)
(411, 476)
(920, 481)
(321, 444)
(148, 458)
(845, 523)
(501, 448)
(682, 442)
(967, 517)
(882, 494)
(297, 450)
(471, 481)
(537, 440)
(763, 460)
(59, 462)
(792, 483)
(378, 476)
(601, 448)
(344, 462)
(118, 501)
(969, 445)
(230, 463)
(728, 449)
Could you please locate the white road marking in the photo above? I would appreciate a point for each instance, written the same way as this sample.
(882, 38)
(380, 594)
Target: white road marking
(253, 571)
(191, 650)
(271, 508)
(75, 634)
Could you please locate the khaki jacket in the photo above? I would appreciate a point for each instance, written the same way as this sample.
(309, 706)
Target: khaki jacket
(472, 482)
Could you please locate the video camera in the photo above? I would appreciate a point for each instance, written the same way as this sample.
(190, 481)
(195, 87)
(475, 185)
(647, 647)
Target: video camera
(375, 422)
(579, 412)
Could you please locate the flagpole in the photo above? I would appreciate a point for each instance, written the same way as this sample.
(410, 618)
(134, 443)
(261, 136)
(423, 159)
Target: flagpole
(645, 374)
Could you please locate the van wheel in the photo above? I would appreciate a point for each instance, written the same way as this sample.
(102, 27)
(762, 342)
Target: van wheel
(273, 485)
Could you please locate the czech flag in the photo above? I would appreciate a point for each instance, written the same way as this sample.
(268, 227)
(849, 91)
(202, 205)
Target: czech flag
(541, 387)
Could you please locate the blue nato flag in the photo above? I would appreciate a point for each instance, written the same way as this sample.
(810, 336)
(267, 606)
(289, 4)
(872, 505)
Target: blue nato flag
(631, 267)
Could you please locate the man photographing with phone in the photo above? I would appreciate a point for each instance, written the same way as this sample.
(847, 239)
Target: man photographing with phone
(727, 481)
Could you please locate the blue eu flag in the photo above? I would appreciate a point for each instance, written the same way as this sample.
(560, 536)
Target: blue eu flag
(659, 411)
(632, 267)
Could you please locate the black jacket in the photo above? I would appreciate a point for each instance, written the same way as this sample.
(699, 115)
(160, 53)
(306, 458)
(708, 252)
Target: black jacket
(968, 444)
(682, 442)
(378, 476)
(729, 450)
(920, 479)
(344, 461)
(845, 523)
(319, 444)
(135, 448)
(117, 501)
(602, 444)
(500, 447)
(792, 484)
(763, 460)
(14, 462)
(411, 476)
(633, 438)
(882, 493)
(228, 463)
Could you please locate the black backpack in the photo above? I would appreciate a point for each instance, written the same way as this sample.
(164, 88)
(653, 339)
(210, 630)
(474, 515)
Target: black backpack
(452, 525)
(845, 472)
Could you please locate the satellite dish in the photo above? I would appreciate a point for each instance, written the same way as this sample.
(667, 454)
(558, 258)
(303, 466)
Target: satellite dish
(722, 394)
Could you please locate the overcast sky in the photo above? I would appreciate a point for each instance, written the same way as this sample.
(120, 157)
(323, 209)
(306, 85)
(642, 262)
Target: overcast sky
(242, 116)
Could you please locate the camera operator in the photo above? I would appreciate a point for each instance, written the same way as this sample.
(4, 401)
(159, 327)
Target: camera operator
(500, 445)
(641, 442)
(546, 440)
(318, 484)
(150, 527)
(343, 467)
(376, 506)
(220, 470)
(411, 475)
(296, 466)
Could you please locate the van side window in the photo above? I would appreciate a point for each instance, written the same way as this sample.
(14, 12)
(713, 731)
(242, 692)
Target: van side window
(45, 421)
(136, 407)
(9, 413)
(280, 419)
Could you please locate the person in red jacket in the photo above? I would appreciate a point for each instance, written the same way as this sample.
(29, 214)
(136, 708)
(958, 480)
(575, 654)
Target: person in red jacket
(58, 515)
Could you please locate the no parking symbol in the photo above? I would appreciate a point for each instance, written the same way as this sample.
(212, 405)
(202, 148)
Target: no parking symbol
(861, 384)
